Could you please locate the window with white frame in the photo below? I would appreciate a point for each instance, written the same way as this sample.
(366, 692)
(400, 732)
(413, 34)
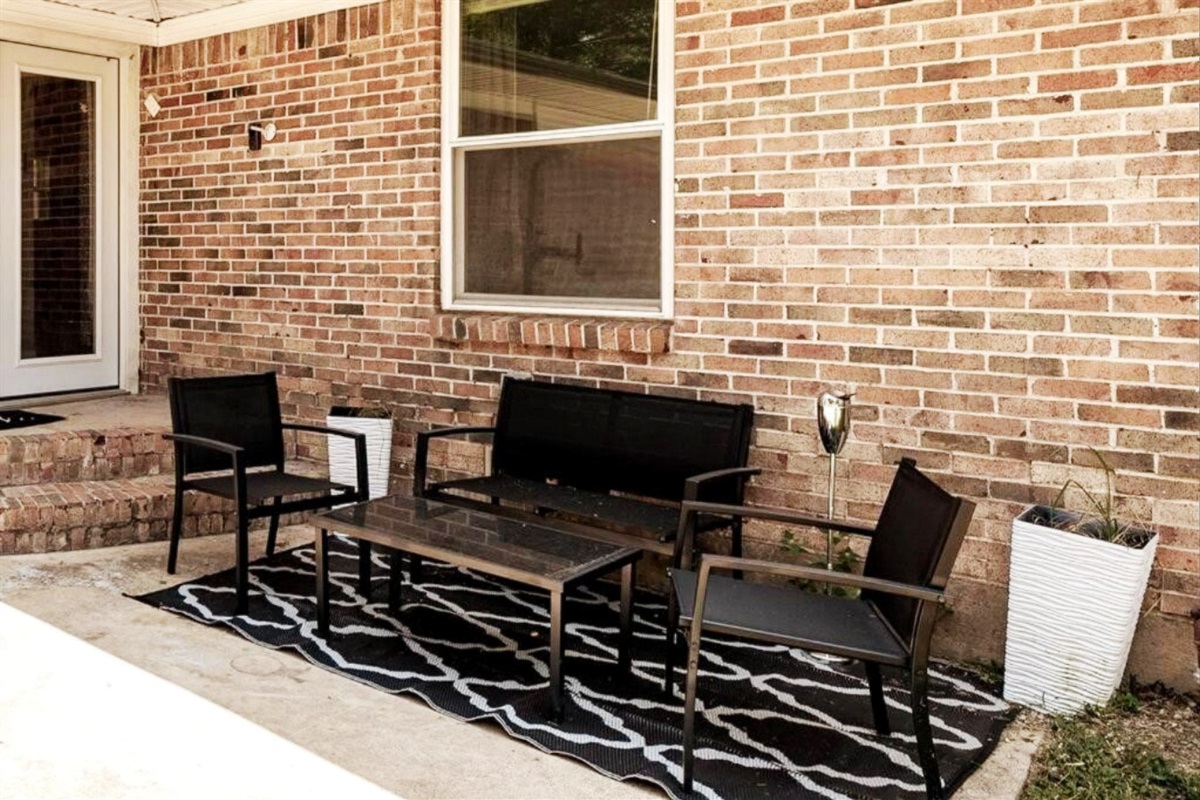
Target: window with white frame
(557, 133)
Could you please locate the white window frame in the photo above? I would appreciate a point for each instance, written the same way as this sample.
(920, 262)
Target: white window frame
(454, 148)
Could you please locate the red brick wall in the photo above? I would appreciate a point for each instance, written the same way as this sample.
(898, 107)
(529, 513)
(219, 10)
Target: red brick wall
(984, 221)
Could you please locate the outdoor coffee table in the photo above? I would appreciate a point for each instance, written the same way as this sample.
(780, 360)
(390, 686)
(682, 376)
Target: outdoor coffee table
(540, 554)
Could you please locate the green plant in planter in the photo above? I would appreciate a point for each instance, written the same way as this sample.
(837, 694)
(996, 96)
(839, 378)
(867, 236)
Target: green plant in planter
(845, 559)
(1098, 520)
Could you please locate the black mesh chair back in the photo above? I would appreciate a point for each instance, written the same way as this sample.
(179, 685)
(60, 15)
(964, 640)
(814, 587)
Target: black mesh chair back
(242, 410)
(916, 541)
(647, 445)
(663, 441)
(550, 431)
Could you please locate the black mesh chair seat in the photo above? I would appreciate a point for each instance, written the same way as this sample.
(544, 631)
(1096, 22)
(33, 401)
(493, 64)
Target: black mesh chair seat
(231, 426)
(913, 548)
(615, 511)
(837, 625)
(263, 486)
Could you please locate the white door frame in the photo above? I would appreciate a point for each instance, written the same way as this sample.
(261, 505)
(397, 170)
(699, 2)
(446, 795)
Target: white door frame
(128, 111)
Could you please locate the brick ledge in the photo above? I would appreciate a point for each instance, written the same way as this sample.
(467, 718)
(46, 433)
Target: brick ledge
(630, 336)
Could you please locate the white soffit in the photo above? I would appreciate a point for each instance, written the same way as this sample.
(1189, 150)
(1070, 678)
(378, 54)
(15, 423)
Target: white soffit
(161, 22)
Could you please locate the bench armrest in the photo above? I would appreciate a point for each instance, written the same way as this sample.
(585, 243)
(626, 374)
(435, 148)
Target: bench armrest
(693, 485)
(821, 575)
(422, 451)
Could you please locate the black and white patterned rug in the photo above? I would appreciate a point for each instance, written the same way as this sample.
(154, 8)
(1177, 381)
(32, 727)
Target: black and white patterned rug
(776, 721)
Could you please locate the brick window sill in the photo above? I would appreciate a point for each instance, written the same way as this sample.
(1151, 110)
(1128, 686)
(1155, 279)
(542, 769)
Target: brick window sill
(627, 336)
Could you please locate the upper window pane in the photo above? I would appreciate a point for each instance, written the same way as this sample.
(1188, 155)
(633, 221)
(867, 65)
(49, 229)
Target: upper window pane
(536, 65)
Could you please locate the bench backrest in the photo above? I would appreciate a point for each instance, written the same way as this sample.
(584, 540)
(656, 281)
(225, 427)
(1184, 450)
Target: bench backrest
(603, 439)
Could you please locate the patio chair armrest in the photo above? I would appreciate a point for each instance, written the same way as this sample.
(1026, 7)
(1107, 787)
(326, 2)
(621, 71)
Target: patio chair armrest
(362, 476)
(822, 575)
(693, 485)
(422, 450)
(303, 426)
(232, 450)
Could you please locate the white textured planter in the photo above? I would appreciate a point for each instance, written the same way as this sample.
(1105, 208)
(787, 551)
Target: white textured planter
(1073, 606)
(342, 465)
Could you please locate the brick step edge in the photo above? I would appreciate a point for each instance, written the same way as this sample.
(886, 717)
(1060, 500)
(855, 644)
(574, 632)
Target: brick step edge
(81, 515)
(84, 455)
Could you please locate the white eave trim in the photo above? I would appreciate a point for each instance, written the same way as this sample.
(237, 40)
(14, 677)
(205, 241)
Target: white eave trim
(252, 14)
(244, 16)
(86, 22)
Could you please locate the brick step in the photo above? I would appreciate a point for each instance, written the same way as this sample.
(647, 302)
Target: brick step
(78, 515)
(60, 456)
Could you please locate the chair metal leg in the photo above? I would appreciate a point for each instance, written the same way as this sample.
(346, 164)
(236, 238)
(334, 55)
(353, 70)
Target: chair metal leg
(689, 711)
(414, 568)
(273, 530)
(924, 733)
(176, 532)
(243, 566)
(672, 642)
(878, 703)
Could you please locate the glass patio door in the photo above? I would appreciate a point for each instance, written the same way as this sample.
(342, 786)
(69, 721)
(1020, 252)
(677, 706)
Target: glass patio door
(58, 221)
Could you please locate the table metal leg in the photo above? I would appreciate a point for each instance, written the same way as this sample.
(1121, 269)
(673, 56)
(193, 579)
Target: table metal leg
(556, 646)
(321, 557)
(395, 581)
(628, 581)
(364, 569)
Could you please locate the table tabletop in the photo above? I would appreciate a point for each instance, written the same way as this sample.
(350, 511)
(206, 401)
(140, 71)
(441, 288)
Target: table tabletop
(534, 553)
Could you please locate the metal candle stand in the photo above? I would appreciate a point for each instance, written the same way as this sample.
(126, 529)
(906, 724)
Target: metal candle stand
(833, 423)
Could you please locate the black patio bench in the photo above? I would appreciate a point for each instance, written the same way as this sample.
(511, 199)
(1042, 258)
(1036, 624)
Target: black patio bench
(619, 463)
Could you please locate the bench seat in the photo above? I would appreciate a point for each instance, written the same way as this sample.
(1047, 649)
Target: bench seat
(615, 512)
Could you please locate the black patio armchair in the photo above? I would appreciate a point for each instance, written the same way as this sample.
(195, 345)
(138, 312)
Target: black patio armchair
(912, 550)
(228, 436)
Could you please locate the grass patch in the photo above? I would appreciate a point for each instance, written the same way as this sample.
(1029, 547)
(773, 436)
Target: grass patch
(1098, 756)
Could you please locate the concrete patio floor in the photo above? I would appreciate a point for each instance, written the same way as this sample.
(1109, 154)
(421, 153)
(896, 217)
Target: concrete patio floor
(397, 743)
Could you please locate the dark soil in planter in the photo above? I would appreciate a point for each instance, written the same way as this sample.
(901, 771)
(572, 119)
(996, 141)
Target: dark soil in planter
(363, 413)
(1073, 522)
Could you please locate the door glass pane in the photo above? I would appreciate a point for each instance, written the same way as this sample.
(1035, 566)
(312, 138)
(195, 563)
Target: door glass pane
(535, 65)
(572, 220)
(58, 155)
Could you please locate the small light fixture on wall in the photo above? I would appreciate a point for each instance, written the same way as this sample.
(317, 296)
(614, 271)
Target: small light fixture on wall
(258, 132)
